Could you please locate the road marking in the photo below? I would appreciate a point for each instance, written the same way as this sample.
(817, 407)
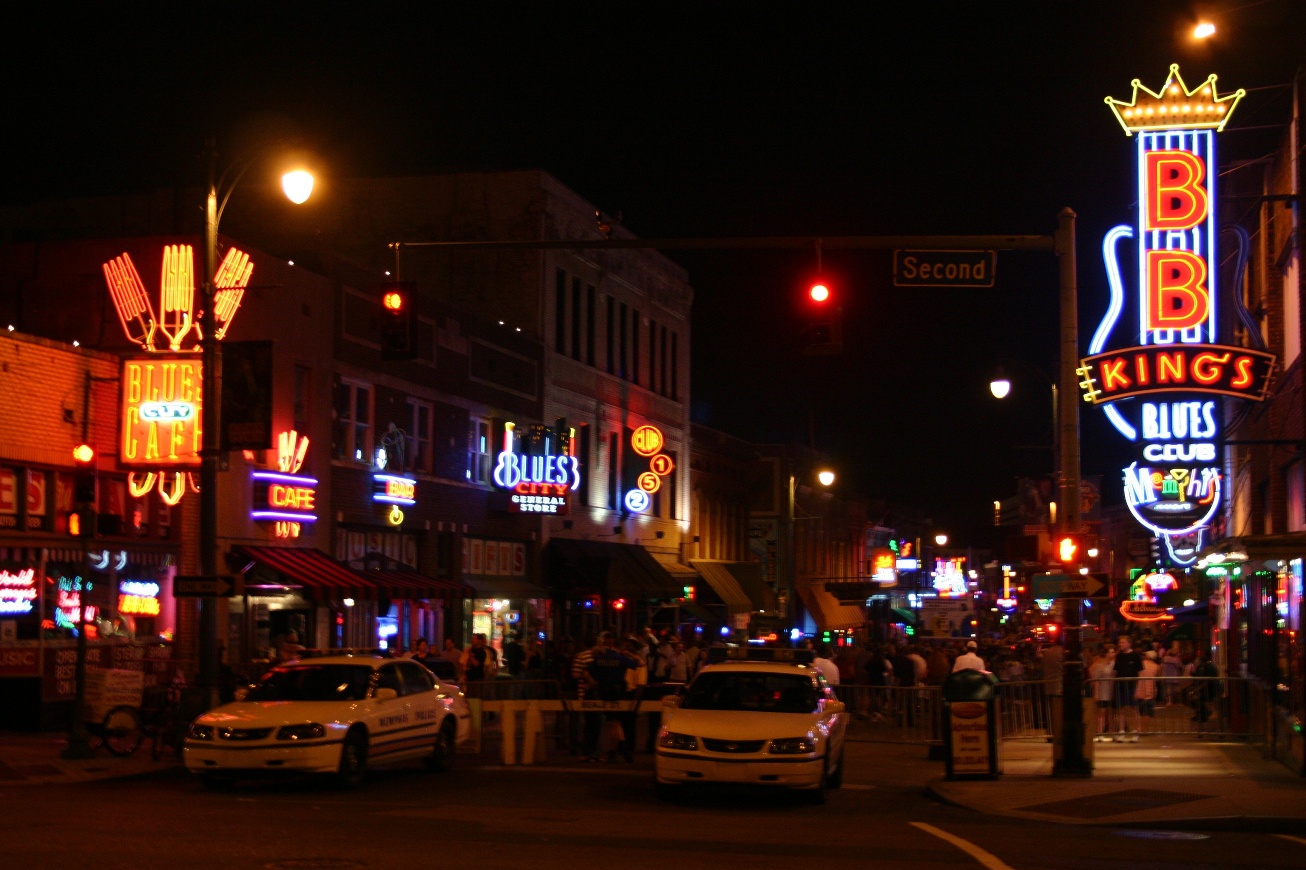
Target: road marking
(1292, 838)
(986, 858)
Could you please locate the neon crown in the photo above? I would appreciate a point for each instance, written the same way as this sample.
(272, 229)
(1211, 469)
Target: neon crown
(1175, 107)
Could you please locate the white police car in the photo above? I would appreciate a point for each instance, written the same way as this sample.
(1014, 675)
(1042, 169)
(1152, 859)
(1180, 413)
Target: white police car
(336, 714)
(753, 716)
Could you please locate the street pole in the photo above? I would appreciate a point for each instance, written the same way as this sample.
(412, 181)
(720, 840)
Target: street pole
(791, 561)
(209, 423)
(1070, 761)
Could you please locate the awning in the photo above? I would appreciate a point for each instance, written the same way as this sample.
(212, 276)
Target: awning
(724, 585)
(826, 610)
(491, 586)
(311, 571)
(607, 568)
(412, 585)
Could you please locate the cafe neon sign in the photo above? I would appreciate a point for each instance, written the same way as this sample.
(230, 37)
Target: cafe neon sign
(285, 497)
(1163, 393)
(159, 439)
(538, 467)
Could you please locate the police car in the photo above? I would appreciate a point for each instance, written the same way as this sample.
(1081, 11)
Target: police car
(753, 716)
(336, 715)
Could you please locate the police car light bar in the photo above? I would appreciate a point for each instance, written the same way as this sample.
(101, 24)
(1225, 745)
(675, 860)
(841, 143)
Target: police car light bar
(718, 654)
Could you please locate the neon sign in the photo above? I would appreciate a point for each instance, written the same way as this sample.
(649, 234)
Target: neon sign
(539, 467)
(1176, 364)
(17, 591)
(138, 597)
(647, 441)
(392, 489)
(285, 497)
(162, 404)
(950, 576)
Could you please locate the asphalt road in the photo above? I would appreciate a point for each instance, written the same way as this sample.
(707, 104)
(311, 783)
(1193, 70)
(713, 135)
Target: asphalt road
(568, 818)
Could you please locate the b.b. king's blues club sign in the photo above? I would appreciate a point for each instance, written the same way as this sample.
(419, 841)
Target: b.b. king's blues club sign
(1164, 387)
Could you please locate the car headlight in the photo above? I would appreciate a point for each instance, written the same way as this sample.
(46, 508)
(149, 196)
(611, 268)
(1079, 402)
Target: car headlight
(199, 732)
(792, 746)
(672, 740)
(308, 731)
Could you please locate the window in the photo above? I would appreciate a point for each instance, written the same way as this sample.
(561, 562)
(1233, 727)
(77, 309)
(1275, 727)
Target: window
(478, 451)
(418, 448)
(416, 678)
(662, 358)
(612, 335)
(351, 438)
(614, 473)
(583, 464)
(652, 356)
(669, 485)
(575, 319)
(560, 313)
(675, 367)
(624, 374)
(634, 347)
(589, 323)
(303, 398)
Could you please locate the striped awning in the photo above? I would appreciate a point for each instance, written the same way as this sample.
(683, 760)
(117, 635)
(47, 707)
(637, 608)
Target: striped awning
(412, 585)
(312, 572)
(724, 584)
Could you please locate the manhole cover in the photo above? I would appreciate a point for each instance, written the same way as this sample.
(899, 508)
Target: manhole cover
(314, 864)
(1163, 835)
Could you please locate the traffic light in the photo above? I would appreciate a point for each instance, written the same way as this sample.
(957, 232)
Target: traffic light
(81, 520)
(398, 321)
(1072, 550)
(820, 328)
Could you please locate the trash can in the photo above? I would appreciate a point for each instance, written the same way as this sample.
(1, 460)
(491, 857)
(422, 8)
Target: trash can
(970, 726)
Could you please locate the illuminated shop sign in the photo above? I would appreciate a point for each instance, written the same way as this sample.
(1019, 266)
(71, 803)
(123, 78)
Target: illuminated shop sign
(538, 467)
(647, 443)
(161, 400)
(392, 489)
(950, 576)
(17, 591)
(68, 602)
(884, 567)
(285, 497)
(1172, 367)
(138, 597)
(160, 413)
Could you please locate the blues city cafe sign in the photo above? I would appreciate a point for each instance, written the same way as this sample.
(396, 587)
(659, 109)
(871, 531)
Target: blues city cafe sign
(1162, 387)
(538, 468)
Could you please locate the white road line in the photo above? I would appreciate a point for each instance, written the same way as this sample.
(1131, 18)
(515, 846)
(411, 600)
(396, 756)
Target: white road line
(1292, 838)
(986, 858)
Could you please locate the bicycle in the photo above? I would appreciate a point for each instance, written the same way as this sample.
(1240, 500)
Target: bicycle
(124, 728)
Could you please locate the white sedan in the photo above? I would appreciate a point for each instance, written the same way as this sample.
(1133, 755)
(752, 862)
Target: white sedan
(337, 715)
(763, 717)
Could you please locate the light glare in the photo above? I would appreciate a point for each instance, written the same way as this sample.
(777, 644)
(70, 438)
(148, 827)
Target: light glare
(298, 185)
(1000, 388)
(1204, 30)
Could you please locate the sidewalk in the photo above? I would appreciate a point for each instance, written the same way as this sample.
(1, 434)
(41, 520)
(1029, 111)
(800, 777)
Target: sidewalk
(34, 759)
(1156, 781)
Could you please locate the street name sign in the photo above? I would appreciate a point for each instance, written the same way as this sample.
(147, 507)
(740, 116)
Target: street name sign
(199, 586)
(1070, 585)
(944, 268)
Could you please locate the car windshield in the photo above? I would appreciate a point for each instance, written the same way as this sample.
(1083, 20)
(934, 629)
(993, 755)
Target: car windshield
(759, 692)
(313, 683)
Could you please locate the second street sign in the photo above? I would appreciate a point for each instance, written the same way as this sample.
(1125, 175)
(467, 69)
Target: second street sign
(1070, 585)
(944, 268)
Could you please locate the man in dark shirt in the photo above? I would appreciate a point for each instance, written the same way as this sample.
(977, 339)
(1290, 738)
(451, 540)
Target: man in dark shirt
(606, 676)
(1128, 665)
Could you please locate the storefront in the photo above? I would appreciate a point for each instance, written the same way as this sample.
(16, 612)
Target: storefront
(602, 584)
(504, 599)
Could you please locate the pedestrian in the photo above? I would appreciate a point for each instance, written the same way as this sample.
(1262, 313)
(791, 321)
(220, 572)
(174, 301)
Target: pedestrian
(636, 680)
(592, 723)
(532, 659)
(454, 656)
(675, 664)
(1206, 688)
(606, 678)
(1128, 665)
(936, 667)
(1100, 674)
(419, 652)
(824, 664)
(969, 659)
(1146, 691)
(1172, 667)
(514, 656)
(480, 663)
(290, 647)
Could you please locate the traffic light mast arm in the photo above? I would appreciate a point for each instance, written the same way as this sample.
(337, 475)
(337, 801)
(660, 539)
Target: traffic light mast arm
(882, 243)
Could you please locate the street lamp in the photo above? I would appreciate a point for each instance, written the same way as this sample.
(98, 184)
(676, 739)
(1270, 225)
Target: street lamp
(941, 539)
(298, 185)
(825, 477)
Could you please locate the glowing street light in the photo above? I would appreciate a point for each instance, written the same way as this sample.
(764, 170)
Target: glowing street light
(826, 477)
(1203, 30)
(941, 539)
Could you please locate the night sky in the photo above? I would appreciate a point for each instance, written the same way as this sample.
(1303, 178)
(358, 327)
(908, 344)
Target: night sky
(709, 119)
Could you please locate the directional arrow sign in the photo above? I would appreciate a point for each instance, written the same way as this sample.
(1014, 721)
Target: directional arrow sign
(1070, 585)
(217, 586)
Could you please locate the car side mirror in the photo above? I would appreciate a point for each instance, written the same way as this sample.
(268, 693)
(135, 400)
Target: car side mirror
(385, 693)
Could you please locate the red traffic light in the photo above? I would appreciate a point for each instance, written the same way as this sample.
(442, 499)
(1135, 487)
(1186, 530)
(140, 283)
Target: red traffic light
(393, 300)
(819, 292)
(83, 453)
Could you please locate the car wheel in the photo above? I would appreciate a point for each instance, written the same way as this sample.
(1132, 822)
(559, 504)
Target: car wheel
(441, 758)
(818, 794)
(216, 781)
(835, 780)
(667, 792)
(353, 760)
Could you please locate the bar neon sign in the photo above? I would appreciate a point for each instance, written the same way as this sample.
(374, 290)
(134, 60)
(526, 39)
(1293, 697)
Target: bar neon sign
(17, 591)
(392, 489)
(138, 598)
(1178, 369)
(538, 467)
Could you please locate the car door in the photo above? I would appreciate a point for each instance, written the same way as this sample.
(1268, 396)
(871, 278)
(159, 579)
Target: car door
(424, 705)
(390, 719)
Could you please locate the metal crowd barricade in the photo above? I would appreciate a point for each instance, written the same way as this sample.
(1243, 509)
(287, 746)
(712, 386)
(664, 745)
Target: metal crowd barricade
(1201, 707)
(1027, 708)
(893, 714)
